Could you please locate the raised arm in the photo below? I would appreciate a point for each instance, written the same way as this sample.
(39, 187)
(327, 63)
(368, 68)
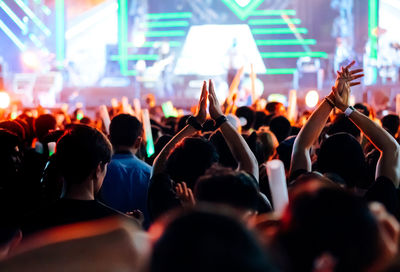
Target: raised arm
(159, 162)
(389, 161)
(312, 129)
(237, 145)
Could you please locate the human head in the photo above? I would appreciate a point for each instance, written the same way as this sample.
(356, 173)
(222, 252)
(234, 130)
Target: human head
(14, 127)
(43, 124)
(248, 114)
(190, 159)
(343, 124)
(204, 240)
(281, 127)
(82, 154)
(362, 108)
(328, 221)
(225, 186)
(125, 131)
(284, 151)
(268, 141)
(391, 123)
(276, 108)
(224, 153)
(342, 155)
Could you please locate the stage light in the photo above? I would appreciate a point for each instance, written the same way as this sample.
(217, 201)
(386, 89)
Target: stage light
(4, 100)
(243, 3)
(139, 39)
(278, 98)
(312, 98)
(30, 60)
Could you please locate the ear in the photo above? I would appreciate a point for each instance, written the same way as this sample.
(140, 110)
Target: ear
(138, 142)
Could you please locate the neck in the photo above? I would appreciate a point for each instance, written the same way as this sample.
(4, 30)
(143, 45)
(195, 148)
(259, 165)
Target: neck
(124, 149)
(84, 191)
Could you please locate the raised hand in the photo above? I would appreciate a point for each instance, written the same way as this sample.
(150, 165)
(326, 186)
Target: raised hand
(185, 195)
(201, 115)
(215, 108)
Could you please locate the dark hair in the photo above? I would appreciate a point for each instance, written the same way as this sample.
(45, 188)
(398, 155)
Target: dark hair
(342, 154)
(43, 124)
(207, 241)
(343, 124)
(260, 120)
(274, 107)
(125, 130)
(190, 159)
(391, 123)
(225, 155)
(362, 108)
(329, 221)
(226, 186)
(285, 149)
(281, 127)
(14, 127)
(248, 114)
(79, 151)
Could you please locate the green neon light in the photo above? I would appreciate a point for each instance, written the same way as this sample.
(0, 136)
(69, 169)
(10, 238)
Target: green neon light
(275, 12)
(165, 24)
(274, 22)
(281, 71)
(171, 15)
(46, 10)
(135, 57)
(131, 73)
(171, 33)
(35, 40)
(14, 17)
(12, 36)
(243, 12)
(155, 44)
(123, 35)
(278, 31)
(372, 26)
(286, 42)
(33, 17)
(266, 55)
(60, 33)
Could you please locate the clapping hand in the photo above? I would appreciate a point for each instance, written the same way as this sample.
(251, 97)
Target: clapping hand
(215, 108)
(201, 115)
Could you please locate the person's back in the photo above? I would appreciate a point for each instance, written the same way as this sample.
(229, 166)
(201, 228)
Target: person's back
(126, 183)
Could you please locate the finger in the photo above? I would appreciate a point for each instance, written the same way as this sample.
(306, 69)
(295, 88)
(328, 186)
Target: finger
(203, 90)
(350, 64)
(185, 190)
(211, 88)
(191, 197)
(354, 83)
(356, 71)
(179, 189)
(356, 76)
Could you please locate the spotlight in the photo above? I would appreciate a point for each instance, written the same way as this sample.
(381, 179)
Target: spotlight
(243, 3)
(278, 98)
(139, 39)
(312, 98)
(30, 60)
(4, 100)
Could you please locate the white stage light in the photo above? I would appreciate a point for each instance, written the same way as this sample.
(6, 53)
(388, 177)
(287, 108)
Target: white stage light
(278, 98)
(243, 3)
(312, 98)
(4, 100)
(30, 60)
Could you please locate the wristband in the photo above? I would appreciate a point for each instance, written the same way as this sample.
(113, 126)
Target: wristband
(349, 111)
(330, 102)
(220, 120)
(191, 121)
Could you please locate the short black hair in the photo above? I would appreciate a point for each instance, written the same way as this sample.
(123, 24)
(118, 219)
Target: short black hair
(43, 124)
(210, 241)
(362, 108)
(79, 151)
(190, 159)
(248, 114)
(281, 127)
(226, 186)
(391, 123)
(343, 124)
(125, 129)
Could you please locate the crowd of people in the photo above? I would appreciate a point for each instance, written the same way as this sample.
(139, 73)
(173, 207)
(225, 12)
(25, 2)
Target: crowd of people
(86, 195)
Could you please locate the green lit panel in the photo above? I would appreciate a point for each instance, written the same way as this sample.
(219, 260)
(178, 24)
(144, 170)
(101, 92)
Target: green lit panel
(278, 31)
(134, 57)
(130, 73)
(281, 71)
(373, 12)
(275, 12)
(242, 12)
(154, 44)
(267, 55)
(123, 35)
(171, 33)
(274, 22)
(165, 24)
(286, 42)
(172, 15)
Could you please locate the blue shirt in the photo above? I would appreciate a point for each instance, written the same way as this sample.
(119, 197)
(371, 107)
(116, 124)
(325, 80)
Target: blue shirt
(126, 184)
